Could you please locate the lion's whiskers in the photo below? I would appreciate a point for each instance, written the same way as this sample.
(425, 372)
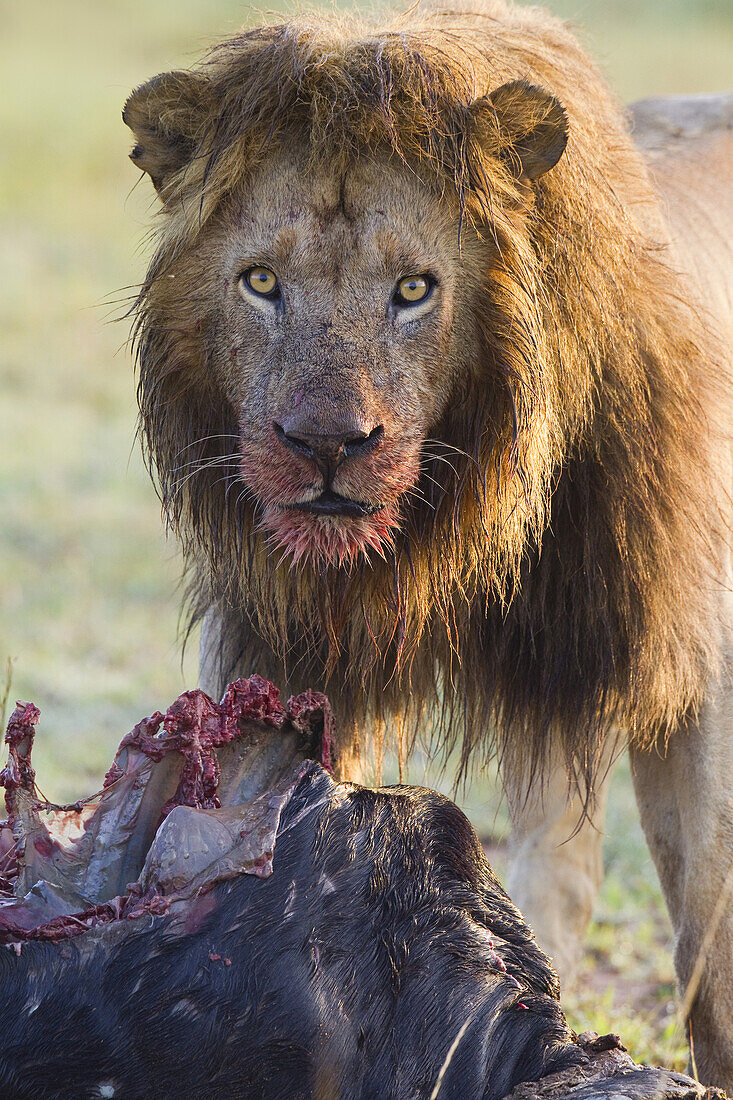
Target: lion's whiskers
(201, 467)
(203, 464)
(440, 458)
(207, 439)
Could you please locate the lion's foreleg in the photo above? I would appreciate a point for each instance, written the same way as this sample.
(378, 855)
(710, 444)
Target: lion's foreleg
(557, 862)
(686, 803)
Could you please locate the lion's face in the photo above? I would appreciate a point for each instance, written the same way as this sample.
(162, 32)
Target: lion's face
(340, 302)
(340, 313)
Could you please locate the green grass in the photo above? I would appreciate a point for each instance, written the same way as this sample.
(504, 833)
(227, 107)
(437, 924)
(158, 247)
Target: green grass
(88, 602)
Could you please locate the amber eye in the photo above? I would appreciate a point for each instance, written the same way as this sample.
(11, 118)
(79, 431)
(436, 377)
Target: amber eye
(413, 289)
(262, 281)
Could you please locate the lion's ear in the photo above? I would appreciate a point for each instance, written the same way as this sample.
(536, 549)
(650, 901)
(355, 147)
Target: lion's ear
(167, 115)
(530, 124)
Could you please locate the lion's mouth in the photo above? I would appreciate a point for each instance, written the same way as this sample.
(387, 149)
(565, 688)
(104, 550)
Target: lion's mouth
(330, 503)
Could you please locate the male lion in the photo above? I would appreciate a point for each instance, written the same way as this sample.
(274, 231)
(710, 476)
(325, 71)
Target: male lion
(440, 408)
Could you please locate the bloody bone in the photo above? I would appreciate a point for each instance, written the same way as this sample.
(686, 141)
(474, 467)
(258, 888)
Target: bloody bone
(65, 869)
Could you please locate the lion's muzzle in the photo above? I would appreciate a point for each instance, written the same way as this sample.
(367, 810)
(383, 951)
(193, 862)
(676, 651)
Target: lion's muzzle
(330, 487)
(329, 450)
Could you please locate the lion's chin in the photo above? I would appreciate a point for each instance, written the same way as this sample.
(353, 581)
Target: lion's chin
(330, 540)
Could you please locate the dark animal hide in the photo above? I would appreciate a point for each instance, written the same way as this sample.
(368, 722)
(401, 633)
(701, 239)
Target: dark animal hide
(283, 936)
(381, 943)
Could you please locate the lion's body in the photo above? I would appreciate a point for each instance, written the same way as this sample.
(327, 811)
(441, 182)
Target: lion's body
(684, 793)
(535, 541)
(686, 799)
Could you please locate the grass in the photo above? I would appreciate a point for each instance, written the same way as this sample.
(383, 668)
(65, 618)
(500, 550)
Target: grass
(88, 602)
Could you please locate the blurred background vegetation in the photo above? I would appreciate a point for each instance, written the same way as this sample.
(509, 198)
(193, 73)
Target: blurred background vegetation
(88, 600)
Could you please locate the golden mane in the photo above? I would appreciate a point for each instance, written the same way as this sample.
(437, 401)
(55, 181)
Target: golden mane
(557, 578)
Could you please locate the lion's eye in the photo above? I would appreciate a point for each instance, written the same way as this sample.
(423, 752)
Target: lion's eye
(413, 289)
(262, 281)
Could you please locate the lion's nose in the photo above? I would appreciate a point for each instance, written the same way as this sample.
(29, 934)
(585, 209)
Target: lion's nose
(329, 449)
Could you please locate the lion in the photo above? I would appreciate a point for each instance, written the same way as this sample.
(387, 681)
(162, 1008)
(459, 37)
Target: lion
(434, 378)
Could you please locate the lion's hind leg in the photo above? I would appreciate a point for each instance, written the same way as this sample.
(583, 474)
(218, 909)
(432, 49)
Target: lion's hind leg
(685, 799)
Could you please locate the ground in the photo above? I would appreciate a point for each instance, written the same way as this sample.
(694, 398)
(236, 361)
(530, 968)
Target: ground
(88, 601)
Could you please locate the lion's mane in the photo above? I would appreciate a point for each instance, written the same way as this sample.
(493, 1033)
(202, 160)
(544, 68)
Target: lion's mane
(557, 577)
